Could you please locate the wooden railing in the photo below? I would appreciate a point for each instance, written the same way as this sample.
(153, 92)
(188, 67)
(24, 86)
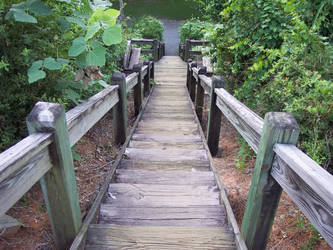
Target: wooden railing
(185, 49)
(46, 153)
(280, 165)
(157, 49)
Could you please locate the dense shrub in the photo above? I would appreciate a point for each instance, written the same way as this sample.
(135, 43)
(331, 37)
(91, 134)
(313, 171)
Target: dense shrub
(40, 59)
(149, 27)
(193, 29)
(277, 56)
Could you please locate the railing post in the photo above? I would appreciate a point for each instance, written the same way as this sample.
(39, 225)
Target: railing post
(156, 50)
(199, 98)
(152, 70)
(187, 49)
(193, 82)
(146, 80)
(163, 49)
(214, 117)
(188, 76)
(265, 192)
(59, 183)
(119, 111)
(138, 89)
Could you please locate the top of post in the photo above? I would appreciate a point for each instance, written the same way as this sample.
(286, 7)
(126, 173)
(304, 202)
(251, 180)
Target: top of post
(44, 116)
(137, 67)
(145, 62)
(193, 64)
(202, 70)
(117, 77)
(281, 120)
(218, 82)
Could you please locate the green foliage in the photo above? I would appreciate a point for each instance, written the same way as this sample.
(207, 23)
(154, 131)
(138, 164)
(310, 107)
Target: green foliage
(42, 46)
(193, 29)
(243, 154)
(149, 27)
(304, 225)
(277, 56)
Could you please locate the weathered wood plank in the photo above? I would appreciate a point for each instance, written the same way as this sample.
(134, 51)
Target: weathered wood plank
(165, 165)
(165, 177)
(166, 117)
(154, 237)
(265, 192)
(135, 55)
(127, 55)
(207, 63)
(84, 116)
(166, 155)
(166, 138)
(163, 216)
(308, 185)
(142, 41)
(206, 83)
(247, 123)
(131, 81)
(138, 90)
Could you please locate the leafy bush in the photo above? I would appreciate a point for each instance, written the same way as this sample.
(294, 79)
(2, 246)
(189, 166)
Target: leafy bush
(277, 56)
(42, 47)
(149, 27)
(193, 29)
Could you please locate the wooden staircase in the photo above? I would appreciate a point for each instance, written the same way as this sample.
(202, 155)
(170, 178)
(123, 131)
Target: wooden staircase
(164, 195)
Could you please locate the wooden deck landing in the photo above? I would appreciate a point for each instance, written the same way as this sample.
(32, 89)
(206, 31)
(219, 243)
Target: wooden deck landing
(164, 195)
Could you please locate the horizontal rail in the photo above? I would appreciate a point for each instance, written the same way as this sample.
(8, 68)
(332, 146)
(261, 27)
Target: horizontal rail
(199, 42)
(247, 123)
(147, 51)
(131, 81)
(206, 83)
(22, 165)
(308, 185)
(142, 41)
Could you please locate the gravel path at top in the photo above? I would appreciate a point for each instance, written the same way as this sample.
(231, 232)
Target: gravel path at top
(171, 36)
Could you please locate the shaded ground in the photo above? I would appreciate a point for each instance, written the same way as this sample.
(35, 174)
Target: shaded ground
(171, 36)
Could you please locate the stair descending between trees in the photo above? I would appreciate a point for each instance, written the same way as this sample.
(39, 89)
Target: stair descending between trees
(164, 195)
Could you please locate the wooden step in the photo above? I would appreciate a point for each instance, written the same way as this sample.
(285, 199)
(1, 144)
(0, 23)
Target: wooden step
(159, 195)
(199, 178)
(146, 116)
(166, 155)
(165, 146)
(167, 137)
(165, 165)
(163, 216)
(101, 236)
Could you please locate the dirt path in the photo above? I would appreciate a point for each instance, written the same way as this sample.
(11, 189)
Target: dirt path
(171, 36)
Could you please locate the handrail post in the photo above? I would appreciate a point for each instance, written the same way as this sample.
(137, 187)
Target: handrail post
(188, 76)
(156, 50)
(265, 192)
(152, 70)
(192, 82)
(163, 49)
(146, 79)
(214, 116)
(187, 49)
(59, 183)
(138, 89)
(199, 97)
(120, 109)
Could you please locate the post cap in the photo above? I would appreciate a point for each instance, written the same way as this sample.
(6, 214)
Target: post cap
(202, 70)
(218, 82)
(137, 67)
(117, 77)
(44, 115)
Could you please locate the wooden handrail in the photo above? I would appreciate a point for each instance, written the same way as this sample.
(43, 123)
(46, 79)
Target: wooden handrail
(25, 163)
(280, 164)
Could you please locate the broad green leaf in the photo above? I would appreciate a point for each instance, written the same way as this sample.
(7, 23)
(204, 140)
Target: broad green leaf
(20, 16)
(81, 60)
(63, 61)
(34, 72)
(112, 35)
(51, 64)
(92, 30)
(96, 57)
(108, 17)
(78, 46)
(103, 83)
(76, 20)
(72, 95)
(95, 43)
(39, 8)
(63, 24)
